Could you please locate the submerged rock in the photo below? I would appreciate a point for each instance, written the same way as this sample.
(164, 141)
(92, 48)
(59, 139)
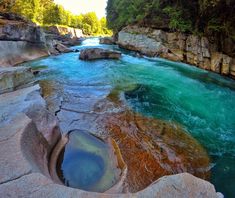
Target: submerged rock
(97, 53)
(152, 148)
(28, 132)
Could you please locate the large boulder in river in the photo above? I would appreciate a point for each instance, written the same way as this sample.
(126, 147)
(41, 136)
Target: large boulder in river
(62, 48)
(97, 53)
(107, 40)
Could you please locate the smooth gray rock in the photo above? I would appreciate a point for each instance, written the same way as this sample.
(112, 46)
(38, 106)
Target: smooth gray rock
(30, 102)
(70, 120)
(16, 52)
(20, 41)
(97, 53)
(62, 48)
(139, 42)
(23, 149)
(13, 77)
(178, 186)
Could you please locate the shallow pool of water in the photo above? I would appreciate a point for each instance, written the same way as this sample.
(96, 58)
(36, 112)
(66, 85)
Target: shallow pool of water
(203, 103)
(86, 163)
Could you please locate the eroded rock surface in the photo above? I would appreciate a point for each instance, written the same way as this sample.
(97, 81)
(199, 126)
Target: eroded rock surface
(178, 186)
(58, 30)
(97, 53)
(20, 41)
(30, 102)
(97, 167)
(151, 148)
(23, 149)
(195, 50)
(13, 77)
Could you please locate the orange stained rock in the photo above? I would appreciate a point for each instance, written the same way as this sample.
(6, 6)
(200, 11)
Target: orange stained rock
(152, 148)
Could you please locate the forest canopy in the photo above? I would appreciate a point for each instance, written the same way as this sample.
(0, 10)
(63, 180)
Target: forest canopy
(210, 17)
(46, 12)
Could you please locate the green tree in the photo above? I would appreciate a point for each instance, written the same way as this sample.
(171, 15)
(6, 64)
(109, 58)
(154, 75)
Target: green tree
(46, 12)
(104, 29)
(26, 8)
(177, 23)
(204, 17)
(92, 20)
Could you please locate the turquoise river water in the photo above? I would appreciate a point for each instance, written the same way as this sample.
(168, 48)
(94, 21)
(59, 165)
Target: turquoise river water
(200, 101)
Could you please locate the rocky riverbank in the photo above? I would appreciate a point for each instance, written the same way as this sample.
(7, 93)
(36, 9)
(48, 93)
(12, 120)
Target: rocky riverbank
(29, 132)
(22, 40)
(176, 46)
(30, 128)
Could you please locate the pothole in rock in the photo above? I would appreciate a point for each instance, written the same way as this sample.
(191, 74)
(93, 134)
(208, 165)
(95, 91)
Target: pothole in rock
(89, 163)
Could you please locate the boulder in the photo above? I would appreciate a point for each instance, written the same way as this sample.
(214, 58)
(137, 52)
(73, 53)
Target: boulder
(97, 53)
(13, 77)
(62, 48)
(139, 42)
(107, 40)
(58, 37)
(72, 42)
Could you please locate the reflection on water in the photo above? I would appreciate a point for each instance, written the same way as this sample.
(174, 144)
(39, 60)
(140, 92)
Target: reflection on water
(86, 163)
(200, 101)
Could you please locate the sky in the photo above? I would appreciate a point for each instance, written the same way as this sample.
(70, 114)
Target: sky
(84, 6)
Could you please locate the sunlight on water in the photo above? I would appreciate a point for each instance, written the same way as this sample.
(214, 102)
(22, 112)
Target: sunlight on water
(201, 101)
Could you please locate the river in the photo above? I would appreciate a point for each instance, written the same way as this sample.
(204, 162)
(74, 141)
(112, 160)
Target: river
(203, 103)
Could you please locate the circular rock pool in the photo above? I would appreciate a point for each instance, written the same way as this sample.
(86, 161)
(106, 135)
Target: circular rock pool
(88, 163)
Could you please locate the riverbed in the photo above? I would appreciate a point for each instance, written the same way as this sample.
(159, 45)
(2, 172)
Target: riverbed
(201, 102)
